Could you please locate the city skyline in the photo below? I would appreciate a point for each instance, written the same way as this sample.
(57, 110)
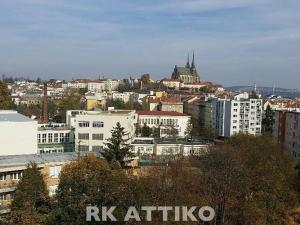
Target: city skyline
(235, 42)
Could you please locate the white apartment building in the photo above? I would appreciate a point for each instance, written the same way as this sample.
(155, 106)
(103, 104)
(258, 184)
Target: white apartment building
(17, 133)
(92, 128)
(238, 115)
(55, 138)
(125, 96)
(81, 84)
(111, 85)
(96, 86)
(165, 120)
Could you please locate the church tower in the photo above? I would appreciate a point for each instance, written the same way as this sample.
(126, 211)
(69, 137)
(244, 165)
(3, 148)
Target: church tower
(187, 74)
(188, 62)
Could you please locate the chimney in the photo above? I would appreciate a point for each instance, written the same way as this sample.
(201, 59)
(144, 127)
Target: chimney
(45, 105)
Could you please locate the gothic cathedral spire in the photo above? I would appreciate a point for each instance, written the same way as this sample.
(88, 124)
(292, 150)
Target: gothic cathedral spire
(193, 62)
(188, 62)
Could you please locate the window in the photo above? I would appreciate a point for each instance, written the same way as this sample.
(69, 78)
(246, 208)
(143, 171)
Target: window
(96, 148)
(83, 136)
(97, 136)
(52, 190)
(83, 123)
(83, 148)
(61, 138)
(98, 124)
(3, 197)
(15, 175)
(50, 138)
(140, 149)
(67, 137)
(39, 138)
(55, 138)
(2, 176)
(44, 138)
(54, 171)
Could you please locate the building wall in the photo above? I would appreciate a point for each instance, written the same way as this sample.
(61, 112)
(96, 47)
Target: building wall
(10, 175)
(165, 122)
(172, 107)
(237, 116)
(55, 139)
(292, 133)
(18, 138)
(98, 126)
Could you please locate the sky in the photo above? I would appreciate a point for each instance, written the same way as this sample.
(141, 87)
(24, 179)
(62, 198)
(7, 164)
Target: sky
(236, 42)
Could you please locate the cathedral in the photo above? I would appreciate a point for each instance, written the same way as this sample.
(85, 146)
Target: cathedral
(187, 74)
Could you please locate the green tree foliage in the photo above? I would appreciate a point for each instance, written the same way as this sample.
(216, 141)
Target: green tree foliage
(30, 110)
(70, 101)
(117, 147)
(5, 98)
(90, 182)
(146, 131)
(31, 202)
(249, 180)
(268, 121)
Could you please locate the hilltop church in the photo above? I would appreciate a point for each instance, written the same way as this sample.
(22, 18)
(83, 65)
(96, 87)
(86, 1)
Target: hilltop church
(187, 74)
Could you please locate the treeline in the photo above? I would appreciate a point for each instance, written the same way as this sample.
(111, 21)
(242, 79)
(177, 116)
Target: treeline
(248, 181)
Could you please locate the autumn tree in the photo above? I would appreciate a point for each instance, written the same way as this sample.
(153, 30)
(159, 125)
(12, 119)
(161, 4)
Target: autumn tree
(5, 97)
(31, 202)
(117, 146)
(70, 101)
(249, 180)
(91, 181)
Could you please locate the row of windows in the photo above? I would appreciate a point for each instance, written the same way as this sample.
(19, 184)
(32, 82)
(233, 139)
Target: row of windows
(151, 121)
(94, 124)
(6, 196)
(53, 138)
(11, 175)
(85, 148)
(86, 136)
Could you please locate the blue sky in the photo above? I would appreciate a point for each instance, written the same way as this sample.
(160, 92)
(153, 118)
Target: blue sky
(235, 41)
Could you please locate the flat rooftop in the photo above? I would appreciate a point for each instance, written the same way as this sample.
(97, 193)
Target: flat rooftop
(13, 116)
(20, 160)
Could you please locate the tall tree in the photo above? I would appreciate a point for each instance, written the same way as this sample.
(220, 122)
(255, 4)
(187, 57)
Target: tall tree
(117, 147)
(146, 131)
(5, 97)
(268, 121)
(31, 202)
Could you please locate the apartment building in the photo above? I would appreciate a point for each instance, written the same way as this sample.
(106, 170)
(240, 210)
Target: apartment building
(241, 114)
(55, 138)
(18, 133)
(286, 131)
(92, 128)
(96, 86)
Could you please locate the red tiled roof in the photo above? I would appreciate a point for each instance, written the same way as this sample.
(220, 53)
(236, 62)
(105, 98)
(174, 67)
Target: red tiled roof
(160, 113)
(154, 100)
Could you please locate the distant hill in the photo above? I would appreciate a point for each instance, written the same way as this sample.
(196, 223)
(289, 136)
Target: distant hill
(265, 91)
